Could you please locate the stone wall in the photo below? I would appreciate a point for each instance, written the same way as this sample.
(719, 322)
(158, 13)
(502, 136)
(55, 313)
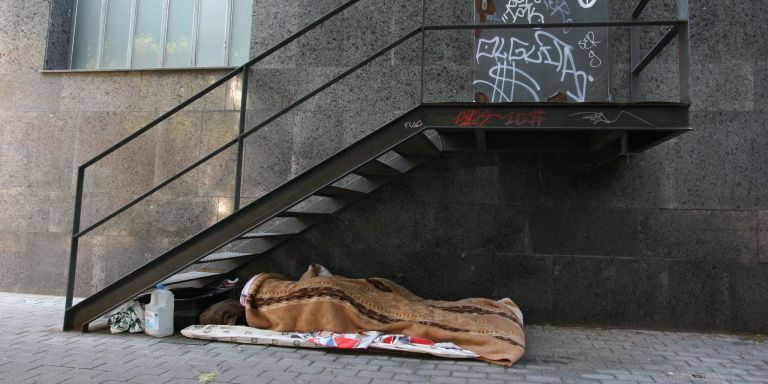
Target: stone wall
(676, 239)
(52, 122)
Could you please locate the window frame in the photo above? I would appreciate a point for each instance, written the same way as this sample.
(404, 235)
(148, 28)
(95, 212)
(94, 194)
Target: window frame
(160, 65)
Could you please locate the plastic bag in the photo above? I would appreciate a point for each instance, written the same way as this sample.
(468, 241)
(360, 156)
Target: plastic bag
(128, 317)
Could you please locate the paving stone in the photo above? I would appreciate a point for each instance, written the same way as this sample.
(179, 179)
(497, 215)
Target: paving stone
(350, 380)
(469, 375)
(32, 351)
(641, 378)
(376, 374)
(252, 379)
(485, 381)
(150, 379)
(433, 372)
(308, 378)
(340, 372)
(448, 380)
(543, 379)
(620, 382)
(411, 378)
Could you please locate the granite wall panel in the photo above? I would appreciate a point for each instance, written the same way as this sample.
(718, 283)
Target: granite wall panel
(217, 175)
(31, 262)
(23, 29)
(762, 234)
(52, 122)
(708, 236)
(600, 290)
(37, 151)
(746, 289)
(593, 231)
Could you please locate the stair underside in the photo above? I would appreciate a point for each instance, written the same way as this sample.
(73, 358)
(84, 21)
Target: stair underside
(601, 130)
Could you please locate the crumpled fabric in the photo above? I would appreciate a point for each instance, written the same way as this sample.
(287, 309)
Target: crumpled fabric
(493, 329)
(359, 340)
(128, 317)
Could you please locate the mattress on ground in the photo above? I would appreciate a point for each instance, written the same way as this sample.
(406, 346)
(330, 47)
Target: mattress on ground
(323, 339)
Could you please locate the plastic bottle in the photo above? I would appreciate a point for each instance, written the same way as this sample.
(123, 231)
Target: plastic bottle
(158, 314)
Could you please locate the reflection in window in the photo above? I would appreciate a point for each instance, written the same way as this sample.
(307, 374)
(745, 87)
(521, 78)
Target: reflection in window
(240, 33)
(86, 39)
(178, 41)
(211, 32)
(146, 38)
(114, 34)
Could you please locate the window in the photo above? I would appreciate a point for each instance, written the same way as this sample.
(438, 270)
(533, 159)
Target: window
(134, 34)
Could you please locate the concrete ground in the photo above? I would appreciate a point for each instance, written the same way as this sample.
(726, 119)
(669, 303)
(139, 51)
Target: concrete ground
(34, 350)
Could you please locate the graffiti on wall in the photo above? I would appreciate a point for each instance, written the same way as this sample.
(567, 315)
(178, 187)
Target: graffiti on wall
(535, 64)
(481, 118)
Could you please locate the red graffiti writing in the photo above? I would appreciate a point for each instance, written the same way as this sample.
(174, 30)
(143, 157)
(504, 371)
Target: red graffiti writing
(479, 118)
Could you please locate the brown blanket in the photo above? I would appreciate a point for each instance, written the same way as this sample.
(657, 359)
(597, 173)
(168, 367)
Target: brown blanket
(321, 302)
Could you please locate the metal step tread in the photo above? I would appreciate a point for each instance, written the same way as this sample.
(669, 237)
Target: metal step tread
(377, 168)
(188, 276)
(225, 256)
(334, 191)
(300, 214)
(253, 235)
(418, 145)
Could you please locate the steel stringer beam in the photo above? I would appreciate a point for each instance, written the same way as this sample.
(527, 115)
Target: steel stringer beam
(278, 200)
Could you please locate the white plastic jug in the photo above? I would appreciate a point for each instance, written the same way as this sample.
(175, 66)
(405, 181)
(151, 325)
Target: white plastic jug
(158, 314)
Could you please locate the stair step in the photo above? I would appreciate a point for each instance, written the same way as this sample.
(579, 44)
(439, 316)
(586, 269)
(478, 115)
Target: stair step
(304, 214)
(377, 168)
(224, 256)
(189, 276)
(419, 145)
(249, 224)
(254, 235)
(334, 191)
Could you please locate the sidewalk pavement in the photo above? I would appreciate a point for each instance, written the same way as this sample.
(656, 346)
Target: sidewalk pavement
(34, 350)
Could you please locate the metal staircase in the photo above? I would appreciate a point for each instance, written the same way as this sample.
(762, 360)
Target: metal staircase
(601, 131)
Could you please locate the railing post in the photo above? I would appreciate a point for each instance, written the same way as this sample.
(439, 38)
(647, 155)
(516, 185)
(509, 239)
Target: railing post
(73, 248)
(423, 50)
(683, 51)
(241, 130)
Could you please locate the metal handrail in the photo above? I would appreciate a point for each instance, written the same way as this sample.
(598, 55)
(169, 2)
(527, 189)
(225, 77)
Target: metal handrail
(633, 23)
(77, 233)
(219, 82)
(248, 133)
(638, 63)
(334, 81)
(639, 8)
(80, 178)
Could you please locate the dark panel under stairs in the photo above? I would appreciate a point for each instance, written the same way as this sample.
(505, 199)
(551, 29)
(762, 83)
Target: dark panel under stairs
(306, 214)
(599, 128)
